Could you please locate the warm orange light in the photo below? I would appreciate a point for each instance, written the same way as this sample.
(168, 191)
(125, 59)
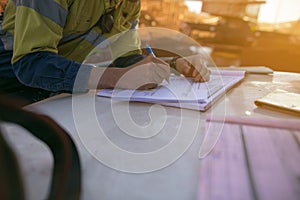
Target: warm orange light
(276, 11)
(273, 11)
(194, 6)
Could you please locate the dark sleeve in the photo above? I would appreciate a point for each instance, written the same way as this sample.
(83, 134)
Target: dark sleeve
(125, 61)
(52, 72)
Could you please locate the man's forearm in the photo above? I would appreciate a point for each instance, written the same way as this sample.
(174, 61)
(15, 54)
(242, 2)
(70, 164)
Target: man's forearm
(101, 77)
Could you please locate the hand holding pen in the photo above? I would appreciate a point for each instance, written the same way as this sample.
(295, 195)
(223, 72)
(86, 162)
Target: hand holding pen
(145, 74)
(191, 66)
(148, 73)
(150, 51)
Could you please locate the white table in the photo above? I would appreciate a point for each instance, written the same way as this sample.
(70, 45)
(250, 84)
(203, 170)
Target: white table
(214, 177)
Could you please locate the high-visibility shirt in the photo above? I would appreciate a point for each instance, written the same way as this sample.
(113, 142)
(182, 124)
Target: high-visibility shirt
(51, 38)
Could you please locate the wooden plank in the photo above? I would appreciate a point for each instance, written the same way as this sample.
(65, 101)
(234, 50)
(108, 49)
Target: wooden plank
(223, 173)
(273, 155)
(297, 137)
(288, 152)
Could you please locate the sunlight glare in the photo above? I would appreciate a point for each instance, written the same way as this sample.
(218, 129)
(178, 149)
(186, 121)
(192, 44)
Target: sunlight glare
(276, 11)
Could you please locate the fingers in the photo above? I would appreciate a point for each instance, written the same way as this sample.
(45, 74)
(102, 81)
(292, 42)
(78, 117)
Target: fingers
(195, 67)
(147, 86)
(184, 67)
(201, 73)
(155, 70)
(159, 72)
(151, 59)
(159, 69)
(202, 76)
(156, 60)
(146, 74)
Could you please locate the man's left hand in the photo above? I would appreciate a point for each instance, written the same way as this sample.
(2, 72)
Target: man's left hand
(193, 66)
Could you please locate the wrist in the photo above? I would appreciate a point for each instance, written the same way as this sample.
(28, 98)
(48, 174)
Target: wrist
(109, 78)
(173, 62)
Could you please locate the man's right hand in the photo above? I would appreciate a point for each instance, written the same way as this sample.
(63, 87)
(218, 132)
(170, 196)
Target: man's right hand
(146, 74)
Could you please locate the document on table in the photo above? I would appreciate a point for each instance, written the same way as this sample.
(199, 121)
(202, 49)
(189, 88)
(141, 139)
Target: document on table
(281, 101)
(181, 91)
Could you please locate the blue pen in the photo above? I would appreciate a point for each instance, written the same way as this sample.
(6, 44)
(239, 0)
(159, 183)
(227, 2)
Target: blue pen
(150, 51)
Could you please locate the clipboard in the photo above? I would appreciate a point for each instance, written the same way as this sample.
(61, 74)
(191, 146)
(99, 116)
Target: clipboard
(182, 92)
(281, 101)
(250, 69)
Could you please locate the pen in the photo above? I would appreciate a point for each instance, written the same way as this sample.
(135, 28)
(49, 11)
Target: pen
(150, 51)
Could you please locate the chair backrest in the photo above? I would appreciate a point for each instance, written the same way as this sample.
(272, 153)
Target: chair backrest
(66, 176)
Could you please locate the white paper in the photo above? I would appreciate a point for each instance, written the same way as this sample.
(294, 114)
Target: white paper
(180, 91)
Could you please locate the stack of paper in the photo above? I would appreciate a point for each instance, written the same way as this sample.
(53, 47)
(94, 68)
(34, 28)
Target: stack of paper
(182, 92)
(281, 101)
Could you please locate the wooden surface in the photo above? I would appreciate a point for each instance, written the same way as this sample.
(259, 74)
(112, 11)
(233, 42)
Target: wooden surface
(252, 162)
(248, 161)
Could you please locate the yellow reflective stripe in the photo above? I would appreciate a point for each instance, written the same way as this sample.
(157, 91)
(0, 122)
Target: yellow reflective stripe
(47, 8)
(31, 36)
(93, 37)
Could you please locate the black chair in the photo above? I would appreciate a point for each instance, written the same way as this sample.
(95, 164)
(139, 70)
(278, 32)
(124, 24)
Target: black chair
(66, 175)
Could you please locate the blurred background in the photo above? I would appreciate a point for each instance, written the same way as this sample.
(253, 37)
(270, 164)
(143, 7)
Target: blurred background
(235, 32)
(238, 32)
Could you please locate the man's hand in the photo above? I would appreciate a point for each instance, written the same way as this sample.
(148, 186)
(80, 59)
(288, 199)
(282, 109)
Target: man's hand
(193, 66)
(146, 74)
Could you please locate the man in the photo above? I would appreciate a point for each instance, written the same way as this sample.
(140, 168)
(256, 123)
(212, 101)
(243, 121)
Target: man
(43, 45)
